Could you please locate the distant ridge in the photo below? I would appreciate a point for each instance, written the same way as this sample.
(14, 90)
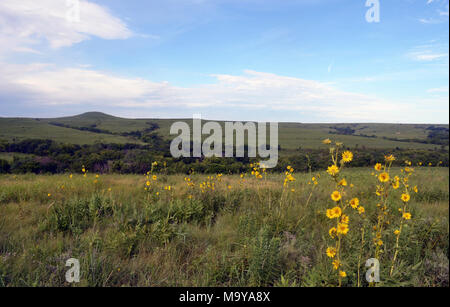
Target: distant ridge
(91, 116)
(97, 115)
(92, 127)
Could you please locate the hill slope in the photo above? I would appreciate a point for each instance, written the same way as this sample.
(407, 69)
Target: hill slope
(92, 127)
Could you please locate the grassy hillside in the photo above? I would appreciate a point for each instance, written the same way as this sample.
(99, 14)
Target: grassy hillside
(20, 128)
(292, 135)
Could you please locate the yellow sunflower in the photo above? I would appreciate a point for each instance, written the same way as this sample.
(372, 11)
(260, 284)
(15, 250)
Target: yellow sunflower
(361, 210)
(405, 197)
(342, 228)
(336, 212)
(384, 177)
(336, 196)
(347, 156)
(378, 167)
(345, 219)
(389, 158)
(354, 202)
(331, 252)
(332, 232)
(396, 185)
(333, 170)
(343, 182)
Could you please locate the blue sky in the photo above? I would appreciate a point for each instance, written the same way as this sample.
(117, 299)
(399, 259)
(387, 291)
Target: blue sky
(268, 60)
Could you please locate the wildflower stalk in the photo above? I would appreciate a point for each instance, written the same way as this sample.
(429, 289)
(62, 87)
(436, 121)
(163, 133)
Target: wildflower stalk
(405, 215)
(338, 212)
(360, 256)
(383, 192)
(338, 256)
(397, 244)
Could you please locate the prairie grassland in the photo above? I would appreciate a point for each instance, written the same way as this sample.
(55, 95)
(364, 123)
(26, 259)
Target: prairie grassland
(20, 129)
(291, 136)
(130, 230)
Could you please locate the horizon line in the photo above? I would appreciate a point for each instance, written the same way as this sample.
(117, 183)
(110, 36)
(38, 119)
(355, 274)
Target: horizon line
(218, 120)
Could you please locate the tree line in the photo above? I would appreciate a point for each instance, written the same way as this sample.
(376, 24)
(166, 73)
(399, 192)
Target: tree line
(47, 156)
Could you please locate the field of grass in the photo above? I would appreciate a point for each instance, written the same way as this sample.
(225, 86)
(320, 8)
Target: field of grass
(309, 136)
(18, 129)
(131, 230)
(291, 135)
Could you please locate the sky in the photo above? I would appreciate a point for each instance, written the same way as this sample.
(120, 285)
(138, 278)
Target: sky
(311, 61)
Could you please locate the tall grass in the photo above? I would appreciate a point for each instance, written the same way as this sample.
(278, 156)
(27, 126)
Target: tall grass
(237, 233)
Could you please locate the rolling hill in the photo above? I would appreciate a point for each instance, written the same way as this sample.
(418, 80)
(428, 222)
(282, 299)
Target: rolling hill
(97, 127)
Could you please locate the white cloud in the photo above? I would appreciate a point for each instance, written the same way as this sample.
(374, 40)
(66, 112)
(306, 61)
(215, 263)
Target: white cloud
(418, 56)
(443, 89)
(27, 24)
(429, 21)
(432, 51)
(440, 12)
(444, 13)
(43, 85)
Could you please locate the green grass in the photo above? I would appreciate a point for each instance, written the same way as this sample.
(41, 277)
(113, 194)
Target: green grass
(309, 136)
(102, 121)
(19, 129)
(251, 234)
(291, 135)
